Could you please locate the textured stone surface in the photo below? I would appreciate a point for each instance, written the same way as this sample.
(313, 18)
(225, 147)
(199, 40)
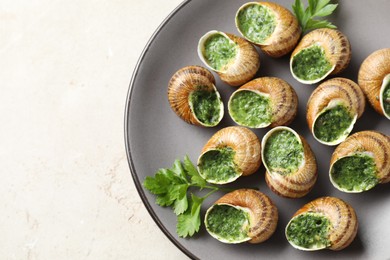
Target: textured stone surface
(66, 190)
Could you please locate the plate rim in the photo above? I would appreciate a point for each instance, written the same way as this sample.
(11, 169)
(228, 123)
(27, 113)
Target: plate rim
(136, 180)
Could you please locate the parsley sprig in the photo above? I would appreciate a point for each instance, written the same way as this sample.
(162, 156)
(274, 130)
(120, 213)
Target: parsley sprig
(171, 187)
(316, 8)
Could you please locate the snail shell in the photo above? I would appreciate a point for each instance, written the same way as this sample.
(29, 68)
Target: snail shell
(245, 145)
(242, 67)
(295, 184)
(329, 94)
(187, 81)
(336, 47)
(374, 77)
(283, 101)
(369, 143)
(263, 214)
(342, 218)
(285, 35)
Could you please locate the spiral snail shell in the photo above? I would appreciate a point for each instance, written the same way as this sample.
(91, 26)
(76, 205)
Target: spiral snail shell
(194, 98)
(333, 108)
(326, 222)
(270, 26)
(242, 215)
(291, 168)
(320, 53)
(262, 102)
(374, 79)
(234, 59)
(231, 152)
(361, 162)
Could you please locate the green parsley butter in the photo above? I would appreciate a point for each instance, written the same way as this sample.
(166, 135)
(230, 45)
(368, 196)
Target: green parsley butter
(229, 223)
(311, 63)
(386, 99)
(256, 22)
(355, 173)
(218, 165)
(332, 124)
(309, 231)
(250, 109)
(206, 106)
(283, 153)
(219, 51)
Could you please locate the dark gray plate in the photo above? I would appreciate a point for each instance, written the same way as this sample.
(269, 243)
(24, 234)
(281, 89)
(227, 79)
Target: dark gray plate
(155, 136)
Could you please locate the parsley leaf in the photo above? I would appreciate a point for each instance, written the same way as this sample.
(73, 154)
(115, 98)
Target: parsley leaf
(167, 186)
(165, 200)
(313, 24)
(299, 11)
(181, 202)
(327, 10)
(181, 205)
(189, 222)
(160, 183)
(171, 187)
(316, 8)
(175, 192)
(177, 168)
(193, 172)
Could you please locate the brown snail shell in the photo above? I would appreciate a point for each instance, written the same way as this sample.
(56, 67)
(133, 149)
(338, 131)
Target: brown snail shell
(342, 217)
(243, 142)
(184, 82)
(371, 143)
(263, 214)
(329, 93)
(285, 35)
(374, 76)
(283, 99)
(243, 66)
(335, 45)
(296, 184)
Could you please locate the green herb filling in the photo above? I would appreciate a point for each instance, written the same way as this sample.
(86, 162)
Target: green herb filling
(219, 51)
(218, 165)
(206, 105)
(250, 109)
(386, 99)
(228, 223)
(256, 22)
(309, 231)
(332, 124)
(283, 152)
(355, 173)
(311, 63)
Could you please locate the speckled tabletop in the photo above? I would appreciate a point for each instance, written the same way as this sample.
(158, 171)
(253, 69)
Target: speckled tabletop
(66, 190)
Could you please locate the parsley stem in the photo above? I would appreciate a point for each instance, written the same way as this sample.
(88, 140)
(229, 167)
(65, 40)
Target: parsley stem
(218, 188)
(211, 187)
(215, 188)
(208, 194)
(227, 189)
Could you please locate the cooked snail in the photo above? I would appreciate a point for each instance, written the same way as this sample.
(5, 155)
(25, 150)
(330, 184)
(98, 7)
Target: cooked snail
(242, 215)
(361, 162)
(194, 98)
(234, 59)
(333, 108)
(326, 222)
(320, 53)
(270, 26)
(231, 152)
(291, 168)
(374, 79)
(264, 102)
